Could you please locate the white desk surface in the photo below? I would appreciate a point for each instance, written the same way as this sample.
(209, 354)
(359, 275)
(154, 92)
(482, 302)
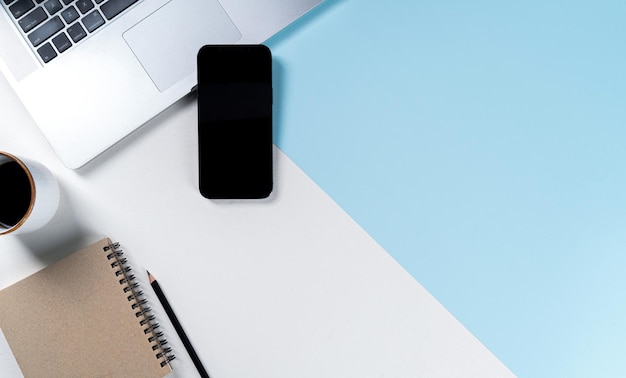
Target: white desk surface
(288, 287)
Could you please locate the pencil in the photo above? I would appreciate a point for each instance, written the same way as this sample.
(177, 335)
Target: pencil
(177, 326)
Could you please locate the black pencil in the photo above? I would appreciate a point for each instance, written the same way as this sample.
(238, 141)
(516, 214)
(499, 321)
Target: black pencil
(177, 326)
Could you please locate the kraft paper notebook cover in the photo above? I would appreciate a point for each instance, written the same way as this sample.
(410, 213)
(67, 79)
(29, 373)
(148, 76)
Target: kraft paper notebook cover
(83, 316)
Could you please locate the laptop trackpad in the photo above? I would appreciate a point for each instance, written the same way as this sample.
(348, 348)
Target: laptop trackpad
(167, 42)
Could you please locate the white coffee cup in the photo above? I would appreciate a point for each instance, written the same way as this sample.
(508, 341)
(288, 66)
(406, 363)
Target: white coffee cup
(29, 195)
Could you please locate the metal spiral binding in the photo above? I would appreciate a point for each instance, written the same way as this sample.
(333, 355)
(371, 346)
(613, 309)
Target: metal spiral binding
(143, 312)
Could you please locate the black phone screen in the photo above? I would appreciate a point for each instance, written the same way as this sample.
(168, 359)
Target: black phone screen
(235, 121)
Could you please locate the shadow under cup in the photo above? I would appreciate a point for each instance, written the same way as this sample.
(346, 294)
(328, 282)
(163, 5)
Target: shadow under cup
(29, 195)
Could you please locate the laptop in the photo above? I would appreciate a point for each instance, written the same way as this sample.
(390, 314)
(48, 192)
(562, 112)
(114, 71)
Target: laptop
(90, 72)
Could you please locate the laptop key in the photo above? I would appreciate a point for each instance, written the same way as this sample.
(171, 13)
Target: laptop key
(53, 6)
(61, 42)
(114, 7)
(93, 21)
(76, 32)
(21, 7)
(33, 19)
(47, 53)
(46, 31)
(69, 15)
(84, 6)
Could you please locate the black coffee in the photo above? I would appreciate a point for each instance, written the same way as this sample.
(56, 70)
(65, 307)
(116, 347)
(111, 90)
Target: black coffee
(15, 194)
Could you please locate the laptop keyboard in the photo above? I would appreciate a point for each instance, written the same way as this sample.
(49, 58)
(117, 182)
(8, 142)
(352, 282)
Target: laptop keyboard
(52, 27)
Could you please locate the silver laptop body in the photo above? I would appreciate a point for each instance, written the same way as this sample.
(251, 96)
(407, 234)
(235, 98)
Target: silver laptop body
(89, 88)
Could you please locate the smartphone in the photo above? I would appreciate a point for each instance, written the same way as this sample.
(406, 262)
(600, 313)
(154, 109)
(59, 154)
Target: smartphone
(235, 121)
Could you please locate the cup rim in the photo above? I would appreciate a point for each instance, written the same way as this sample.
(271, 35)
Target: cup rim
(31, 205)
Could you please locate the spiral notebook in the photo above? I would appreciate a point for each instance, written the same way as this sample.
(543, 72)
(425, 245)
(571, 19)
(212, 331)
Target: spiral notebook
(83, 316)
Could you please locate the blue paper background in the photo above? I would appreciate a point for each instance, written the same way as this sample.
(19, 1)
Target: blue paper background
(482, 145)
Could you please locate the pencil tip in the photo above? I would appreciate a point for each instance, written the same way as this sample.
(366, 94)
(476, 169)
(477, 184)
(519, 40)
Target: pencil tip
(150, 277)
